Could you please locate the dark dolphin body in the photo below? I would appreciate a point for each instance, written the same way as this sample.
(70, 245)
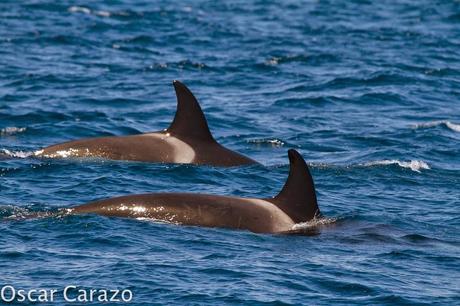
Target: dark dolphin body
(295, 203)
(188, 140)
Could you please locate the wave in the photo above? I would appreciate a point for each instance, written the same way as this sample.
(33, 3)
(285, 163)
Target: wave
(269, 142)
(79, 9)
(414, 165)
(16, 213)
(313, 223)
(310, 228)
(183, 65)
(85, 10)
(16, 154)
(11, 130)
(452, 126)
(302, 58)
(11, 211)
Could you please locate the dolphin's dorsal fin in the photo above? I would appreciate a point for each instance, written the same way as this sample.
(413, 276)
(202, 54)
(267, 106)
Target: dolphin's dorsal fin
(189, 121)
(298, 196)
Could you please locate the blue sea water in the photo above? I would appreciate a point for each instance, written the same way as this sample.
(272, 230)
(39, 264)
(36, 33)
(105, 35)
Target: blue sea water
(367, 91)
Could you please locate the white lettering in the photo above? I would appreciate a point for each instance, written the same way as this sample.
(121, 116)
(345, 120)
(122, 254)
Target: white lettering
(130, 296)
(52, 293)
(12, 293)
(114, 296)
(82, 296)
(71, 294)
(91, 296)
(21, 295)
(42, 295)
(29, 295)
(66, 297)
(103, 296)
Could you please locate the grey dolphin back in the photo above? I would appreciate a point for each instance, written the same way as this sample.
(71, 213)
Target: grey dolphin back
(298, 196)
(189, 121)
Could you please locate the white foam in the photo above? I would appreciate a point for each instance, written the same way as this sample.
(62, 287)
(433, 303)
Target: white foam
(273, 142)
(154, 220)
(103, 13)
(17, 154)
(452, 126)
(13, 211)
(11, 130)
(79, 9)
(272, 61)
(414, 165)
(313, 223)
(85, 10)
(20, 213)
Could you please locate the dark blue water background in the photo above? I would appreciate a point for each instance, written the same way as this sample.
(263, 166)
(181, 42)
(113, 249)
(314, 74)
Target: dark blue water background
(367, 91)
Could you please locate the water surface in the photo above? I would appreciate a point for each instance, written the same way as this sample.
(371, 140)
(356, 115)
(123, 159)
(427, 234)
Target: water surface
(369, 93)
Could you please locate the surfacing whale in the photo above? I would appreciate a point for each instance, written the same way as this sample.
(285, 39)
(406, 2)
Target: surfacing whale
(188, 140)
(296, 203)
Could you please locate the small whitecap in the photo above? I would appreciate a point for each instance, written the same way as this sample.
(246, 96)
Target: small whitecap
(452, 126)
(274, 142)
(414, 165)
(103, 13)
(79, 9)
(272, 61)
(11, 130)
(154, 220)
(17, 154)
(13, 212)
(313, 223)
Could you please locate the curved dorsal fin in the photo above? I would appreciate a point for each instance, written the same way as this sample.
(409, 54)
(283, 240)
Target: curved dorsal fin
(298, 197)
(189, 121)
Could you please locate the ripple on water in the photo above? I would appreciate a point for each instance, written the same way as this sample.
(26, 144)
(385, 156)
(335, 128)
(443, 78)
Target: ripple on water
(367, 91)
(414, 165)
(11, 130)
(445, 123)
(267, 142)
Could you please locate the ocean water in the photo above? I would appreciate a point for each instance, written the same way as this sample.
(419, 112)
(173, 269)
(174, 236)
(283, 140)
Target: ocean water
(367, 91)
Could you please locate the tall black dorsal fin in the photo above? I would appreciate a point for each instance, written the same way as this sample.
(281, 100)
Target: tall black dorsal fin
(298, 196)
(189, 121)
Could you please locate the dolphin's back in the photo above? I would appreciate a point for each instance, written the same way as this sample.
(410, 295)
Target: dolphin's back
(296, 203)
(144, 147)
(188, 140)
(195, 209)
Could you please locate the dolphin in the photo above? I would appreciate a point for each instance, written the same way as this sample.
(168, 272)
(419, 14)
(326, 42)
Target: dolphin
(188, 140)
(296, 203)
